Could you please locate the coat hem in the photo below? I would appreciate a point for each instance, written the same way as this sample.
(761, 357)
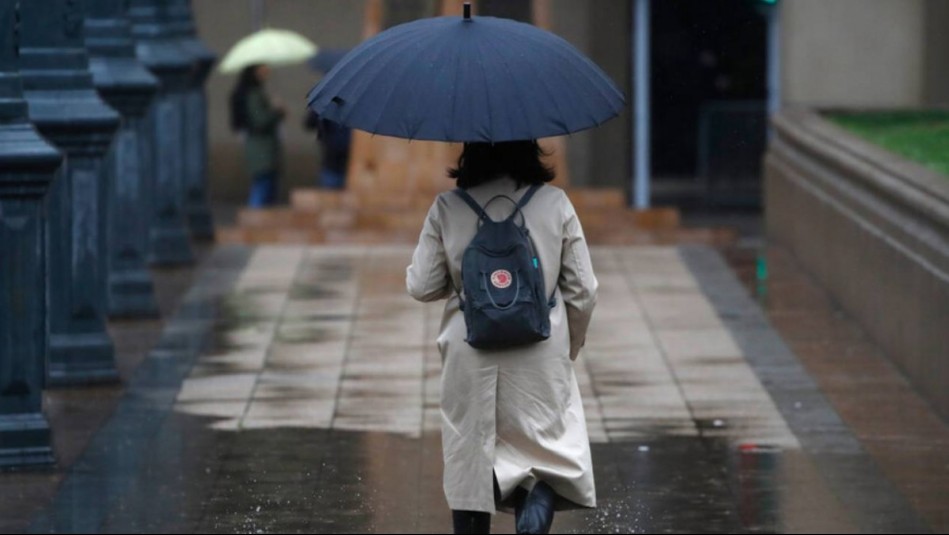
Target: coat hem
(470, 505)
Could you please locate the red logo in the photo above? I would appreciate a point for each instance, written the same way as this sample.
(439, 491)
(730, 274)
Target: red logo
(501, 278)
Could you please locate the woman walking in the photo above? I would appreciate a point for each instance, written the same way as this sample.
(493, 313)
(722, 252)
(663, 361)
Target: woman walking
(256, 115)
(513, 429)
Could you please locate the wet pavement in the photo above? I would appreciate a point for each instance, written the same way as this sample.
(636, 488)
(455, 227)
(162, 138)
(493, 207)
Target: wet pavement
(900, 431)
(296, 390)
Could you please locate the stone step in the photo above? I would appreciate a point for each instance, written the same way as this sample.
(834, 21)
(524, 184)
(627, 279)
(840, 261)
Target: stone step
(595, 235)
(272, 219)
(657, 218)
(625, 218)
(260, 236)
(378, 216)
(398, 217)
(314, 199)
(275, 217)
(595, 198)
(229, 235)
(408, 220)
(370, 237)
(290, 218)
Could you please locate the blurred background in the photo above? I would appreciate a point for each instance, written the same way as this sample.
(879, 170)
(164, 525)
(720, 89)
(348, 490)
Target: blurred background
(708, 64)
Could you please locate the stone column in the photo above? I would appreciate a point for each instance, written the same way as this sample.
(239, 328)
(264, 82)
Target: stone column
(157, 47)
(65, 108)
(197, 210)
(128, 87)
(27, 167)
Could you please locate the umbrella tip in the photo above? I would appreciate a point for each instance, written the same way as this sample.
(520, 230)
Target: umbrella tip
(467, 10)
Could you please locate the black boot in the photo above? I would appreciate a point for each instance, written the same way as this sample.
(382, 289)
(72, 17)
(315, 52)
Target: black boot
(471, 522)
(536, 513)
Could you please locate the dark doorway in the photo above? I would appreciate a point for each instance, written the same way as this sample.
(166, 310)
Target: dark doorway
(709, 93)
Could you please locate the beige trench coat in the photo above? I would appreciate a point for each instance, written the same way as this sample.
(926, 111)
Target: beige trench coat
(515, 413)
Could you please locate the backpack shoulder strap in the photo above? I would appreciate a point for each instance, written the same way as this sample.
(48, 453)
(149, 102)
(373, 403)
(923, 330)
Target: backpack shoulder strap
(520, 204)
(526, 198)
(469, 200)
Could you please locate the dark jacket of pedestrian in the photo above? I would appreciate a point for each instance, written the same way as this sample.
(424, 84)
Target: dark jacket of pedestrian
(336, 141)
(254, 114)
(263, 148)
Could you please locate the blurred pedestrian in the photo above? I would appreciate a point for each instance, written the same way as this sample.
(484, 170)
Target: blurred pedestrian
(335, 141)
(258, 117)
(513, 429)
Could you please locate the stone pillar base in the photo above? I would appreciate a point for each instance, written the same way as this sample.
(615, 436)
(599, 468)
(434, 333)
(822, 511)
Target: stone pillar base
(77, 359)
(25, 440)
(132, 295)
(200, 221)
(171, 246)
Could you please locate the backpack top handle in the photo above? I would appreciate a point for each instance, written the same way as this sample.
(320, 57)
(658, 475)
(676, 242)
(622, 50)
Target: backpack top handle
(483, 215)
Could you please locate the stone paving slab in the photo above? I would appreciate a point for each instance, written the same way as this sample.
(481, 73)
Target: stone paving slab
(312, 406)
(658, 357)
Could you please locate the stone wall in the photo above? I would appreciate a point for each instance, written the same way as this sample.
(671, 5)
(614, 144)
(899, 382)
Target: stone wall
(873, 229)
(864, 53)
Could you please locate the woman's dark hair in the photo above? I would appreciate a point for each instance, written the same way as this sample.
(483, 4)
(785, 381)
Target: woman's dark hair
(483, 162)
(245, 82)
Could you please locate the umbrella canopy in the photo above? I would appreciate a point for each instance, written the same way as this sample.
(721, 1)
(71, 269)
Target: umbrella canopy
(269, 46)
(466, 79)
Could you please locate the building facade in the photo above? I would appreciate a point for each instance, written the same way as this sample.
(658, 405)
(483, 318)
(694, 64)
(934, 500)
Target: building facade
(708, 71)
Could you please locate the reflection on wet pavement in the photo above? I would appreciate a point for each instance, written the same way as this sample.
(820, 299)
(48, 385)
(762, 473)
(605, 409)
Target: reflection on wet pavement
(314, 408)
(327, 338)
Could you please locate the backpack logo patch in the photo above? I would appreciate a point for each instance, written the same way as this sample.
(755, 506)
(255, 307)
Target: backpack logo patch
(501, 278)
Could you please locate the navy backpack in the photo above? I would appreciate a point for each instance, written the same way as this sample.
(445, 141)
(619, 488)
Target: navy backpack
(505, 303)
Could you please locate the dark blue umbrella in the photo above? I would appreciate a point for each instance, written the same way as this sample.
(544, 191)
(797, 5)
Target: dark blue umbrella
(466, 79)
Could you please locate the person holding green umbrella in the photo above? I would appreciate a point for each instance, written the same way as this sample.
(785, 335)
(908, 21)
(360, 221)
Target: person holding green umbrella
(258, 117)
(254, 112)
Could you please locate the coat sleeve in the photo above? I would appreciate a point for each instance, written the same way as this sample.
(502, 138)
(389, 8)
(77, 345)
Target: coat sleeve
(261, 117)
(577, 282)
(427, 278)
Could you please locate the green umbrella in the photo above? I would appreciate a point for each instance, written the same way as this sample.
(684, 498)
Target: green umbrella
(269, 46)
